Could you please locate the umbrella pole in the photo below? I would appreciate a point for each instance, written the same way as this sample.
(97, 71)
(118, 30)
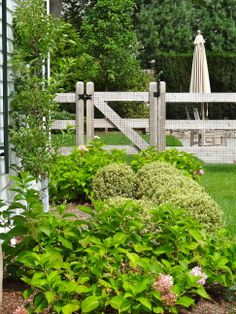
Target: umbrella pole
(203, 111)
(203, 131)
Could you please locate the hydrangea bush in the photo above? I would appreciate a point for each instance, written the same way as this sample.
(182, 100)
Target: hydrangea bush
(71, 176)
(117, 260)
(186, 162)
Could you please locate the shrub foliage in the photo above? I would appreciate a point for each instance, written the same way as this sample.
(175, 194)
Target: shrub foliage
(115, 260)
(71, 176)
(163, 183)
(114, 180)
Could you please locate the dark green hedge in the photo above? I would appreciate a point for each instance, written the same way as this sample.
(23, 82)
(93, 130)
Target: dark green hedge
(176, 72)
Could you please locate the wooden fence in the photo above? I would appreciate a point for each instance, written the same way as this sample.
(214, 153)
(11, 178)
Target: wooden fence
(156, 124)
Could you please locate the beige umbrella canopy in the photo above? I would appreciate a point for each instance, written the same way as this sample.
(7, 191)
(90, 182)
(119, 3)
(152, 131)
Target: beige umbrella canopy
(200, 82)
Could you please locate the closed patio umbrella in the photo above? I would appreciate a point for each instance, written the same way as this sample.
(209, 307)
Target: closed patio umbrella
(200, 82)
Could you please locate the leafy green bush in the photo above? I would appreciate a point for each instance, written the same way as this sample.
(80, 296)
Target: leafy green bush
(62, 115)
(114, 180)
(143, 206)
(162, 183)
(71, 176)
(116, 260)
(186, 162)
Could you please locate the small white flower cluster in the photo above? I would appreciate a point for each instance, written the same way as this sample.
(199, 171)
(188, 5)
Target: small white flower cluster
(197, 271)
(83, 148)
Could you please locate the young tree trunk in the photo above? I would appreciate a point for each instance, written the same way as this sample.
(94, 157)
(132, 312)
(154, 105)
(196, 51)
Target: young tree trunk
(44, 194)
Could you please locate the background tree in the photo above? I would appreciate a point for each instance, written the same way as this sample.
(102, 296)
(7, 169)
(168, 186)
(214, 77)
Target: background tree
(170, 26)
(217, 20)
(108, 36)
(165, 26)
(74, 11)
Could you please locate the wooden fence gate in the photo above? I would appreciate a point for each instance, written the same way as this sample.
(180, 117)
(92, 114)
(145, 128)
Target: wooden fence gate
(210, 151)
(87, 100)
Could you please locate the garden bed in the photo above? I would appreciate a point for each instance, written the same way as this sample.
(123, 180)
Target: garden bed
(13, 297)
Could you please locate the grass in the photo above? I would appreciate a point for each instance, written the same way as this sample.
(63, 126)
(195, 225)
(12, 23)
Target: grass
(219, 181)
(114, 138)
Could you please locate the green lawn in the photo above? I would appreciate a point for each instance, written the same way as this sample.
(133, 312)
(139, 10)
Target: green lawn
(114, 138)
(220, 181)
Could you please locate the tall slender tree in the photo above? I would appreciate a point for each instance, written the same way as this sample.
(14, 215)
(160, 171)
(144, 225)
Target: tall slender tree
(108, 35)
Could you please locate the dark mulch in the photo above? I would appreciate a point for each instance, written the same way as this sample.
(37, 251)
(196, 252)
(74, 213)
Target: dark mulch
(12, 295)
(13, 290)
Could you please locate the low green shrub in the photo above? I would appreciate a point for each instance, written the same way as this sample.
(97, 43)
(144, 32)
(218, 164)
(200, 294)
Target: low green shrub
(71, 176)
(185, 162)
(114, 180)
(142, 206)
(119, 260)
(162, 183)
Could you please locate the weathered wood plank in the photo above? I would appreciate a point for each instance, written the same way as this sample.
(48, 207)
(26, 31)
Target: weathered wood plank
(201, 98)
(134, 123)
(65, 98)
(127, 148)
(161, 117)
(211, 154)
(122, 96)
(200, 124)
(144, 124)
(153, 114)
(79, 122)
(121, 124)
(144, 96)
(90, 112)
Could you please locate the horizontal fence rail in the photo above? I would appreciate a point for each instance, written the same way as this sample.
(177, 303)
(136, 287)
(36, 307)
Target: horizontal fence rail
(65, 98)
(144, 96)
(144, 124)
(200, 98)
(122, 96)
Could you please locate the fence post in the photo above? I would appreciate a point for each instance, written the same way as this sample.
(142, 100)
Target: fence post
(89, 112)
(79, 120)
(161, 118)
(153, 114)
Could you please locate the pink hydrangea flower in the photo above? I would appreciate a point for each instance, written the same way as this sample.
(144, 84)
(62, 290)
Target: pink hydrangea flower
(197, 271)
(169, 298)
(20, 310)
(200, 172)
(163, 284)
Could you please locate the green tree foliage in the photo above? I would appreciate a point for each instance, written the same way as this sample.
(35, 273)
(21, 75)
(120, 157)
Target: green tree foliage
(74, 11)
(36, 35)
(165, 26)
(108, 36)
(217, 20)
(169, 26)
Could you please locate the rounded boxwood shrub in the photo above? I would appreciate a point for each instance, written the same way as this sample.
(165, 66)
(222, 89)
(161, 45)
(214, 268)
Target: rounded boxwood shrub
(162, 183)
(114, 180)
